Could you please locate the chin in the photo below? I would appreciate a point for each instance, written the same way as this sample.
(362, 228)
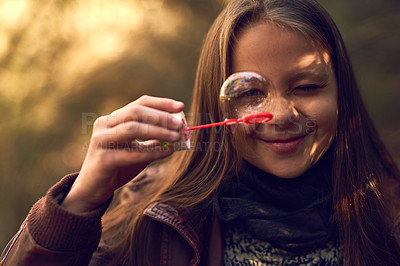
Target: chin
(287, 173)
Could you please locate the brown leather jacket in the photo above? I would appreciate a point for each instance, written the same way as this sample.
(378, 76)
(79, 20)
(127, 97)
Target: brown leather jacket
(52, 236)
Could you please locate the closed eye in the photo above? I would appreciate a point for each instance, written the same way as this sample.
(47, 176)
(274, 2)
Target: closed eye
(308, 88)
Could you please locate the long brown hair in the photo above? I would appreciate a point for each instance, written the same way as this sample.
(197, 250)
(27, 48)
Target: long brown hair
(360, 158)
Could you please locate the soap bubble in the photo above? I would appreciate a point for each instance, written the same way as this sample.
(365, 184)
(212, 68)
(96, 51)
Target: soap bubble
(245, 93)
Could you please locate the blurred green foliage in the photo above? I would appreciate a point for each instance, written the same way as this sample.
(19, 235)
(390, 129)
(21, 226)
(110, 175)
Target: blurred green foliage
(64, 63)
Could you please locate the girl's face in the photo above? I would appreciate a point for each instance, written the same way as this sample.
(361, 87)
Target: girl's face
(300, 75)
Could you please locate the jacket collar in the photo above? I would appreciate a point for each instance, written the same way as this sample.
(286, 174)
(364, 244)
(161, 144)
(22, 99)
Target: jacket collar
(199, 235)
(179, 220)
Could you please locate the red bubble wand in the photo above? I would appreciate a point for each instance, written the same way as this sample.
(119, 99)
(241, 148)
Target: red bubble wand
(256, 118)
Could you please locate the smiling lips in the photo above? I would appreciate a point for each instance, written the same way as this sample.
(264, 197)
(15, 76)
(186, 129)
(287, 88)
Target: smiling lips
(285, 145)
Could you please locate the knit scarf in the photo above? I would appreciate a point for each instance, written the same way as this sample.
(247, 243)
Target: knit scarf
(294, 215)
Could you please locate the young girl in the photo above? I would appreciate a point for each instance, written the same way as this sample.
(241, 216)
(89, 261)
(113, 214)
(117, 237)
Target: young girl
(315, 185)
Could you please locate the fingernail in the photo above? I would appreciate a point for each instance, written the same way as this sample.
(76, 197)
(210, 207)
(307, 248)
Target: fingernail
(178, 104)
(176, 121)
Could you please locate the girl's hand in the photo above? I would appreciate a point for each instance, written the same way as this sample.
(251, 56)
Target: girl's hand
(115, 156)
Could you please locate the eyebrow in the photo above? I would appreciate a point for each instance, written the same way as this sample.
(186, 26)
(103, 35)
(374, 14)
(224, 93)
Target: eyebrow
(321, 76)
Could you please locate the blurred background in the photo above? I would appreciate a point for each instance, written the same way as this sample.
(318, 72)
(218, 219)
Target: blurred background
(63, 63)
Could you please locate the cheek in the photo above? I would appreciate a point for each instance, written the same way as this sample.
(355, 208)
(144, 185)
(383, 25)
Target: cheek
(320, 112)
(329, 117)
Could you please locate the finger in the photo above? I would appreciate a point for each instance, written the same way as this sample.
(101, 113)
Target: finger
(158, 103)
(163, 104)
(144, 114)
(143, 145)
(132, 130)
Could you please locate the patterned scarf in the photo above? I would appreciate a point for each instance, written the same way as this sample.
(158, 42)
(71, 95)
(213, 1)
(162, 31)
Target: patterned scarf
(294, 215)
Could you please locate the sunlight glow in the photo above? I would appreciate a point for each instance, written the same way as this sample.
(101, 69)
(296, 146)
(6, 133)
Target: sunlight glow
(63, 42)
(309, 60)
(12, 12)
(152, 4)
(314, 59)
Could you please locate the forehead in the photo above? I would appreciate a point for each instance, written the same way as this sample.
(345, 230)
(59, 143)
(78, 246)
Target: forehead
(268, 47)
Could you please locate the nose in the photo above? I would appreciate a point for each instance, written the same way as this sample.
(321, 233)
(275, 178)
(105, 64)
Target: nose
(284, 113)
